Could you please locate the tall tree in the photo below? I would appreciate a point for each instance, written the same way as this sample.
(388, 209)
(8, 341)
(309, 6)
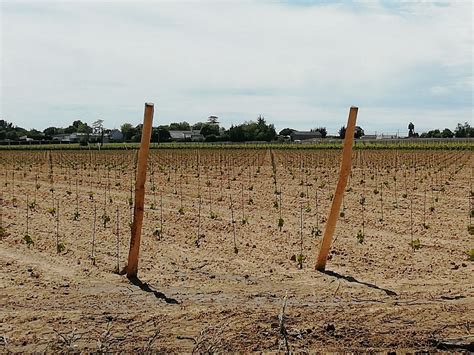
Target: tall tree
(411, 129)
(358, 132)
(464, 131)
(128, 131)
(342, 132)
(213, 120)
(160, 134)
(98, 128)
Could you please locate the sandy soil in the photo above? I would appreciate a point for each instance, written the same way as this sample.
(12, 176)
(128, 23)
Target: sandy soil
(198, 294)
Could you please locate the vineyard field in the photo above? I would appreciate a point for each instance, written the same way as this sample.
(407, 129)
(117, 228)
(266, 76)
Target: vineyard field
(227, 235)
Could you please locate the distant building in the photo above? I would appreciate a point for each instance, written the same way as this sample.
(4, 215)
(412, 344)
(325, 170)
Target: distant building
(387, 136)
(63, 137)
(77, 137)
(379, 136)
(369, 137)
(303, 135)
(25, 139)
(182, 136)
(115, 135)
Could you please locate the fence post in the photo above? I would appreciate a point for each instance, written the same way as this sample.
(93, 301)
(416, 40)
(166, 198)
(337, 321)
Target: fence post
(341, 185)
(132, 265)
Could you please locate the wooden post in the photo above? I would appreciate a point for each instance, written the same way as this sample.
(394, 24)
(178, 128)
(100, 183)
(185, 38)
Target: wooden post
(132, 266)
(341, 185)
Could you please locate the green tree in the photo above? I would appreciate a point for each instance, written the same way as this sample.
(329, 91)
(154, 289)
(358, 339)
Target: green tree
(35, 134)
(180, 126)
(138, 133)
(74, 127)
(321, 130)
(447, 133)
(464, 131)
(50, 132)
(12, 135)
(264, 131)
(358, 132)
(211, 138)
(197, 126)
(5, 125)
(84, 128)
(160, 134)
(435, 133)
(70, 129)
(213, 120)
(342, 132)
(210, 129)
(236, 133)
(252, 131)
(9, 131)
(128, 131)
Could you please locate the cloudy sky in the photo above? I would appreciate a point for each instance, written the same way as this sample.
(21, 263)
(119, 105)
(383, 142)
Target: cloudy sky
(301, 64)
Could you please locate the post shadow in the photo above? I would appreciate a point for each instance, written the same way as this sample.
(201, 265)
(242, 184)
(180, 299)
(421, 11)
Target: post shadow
(352, 279)
(147, 288)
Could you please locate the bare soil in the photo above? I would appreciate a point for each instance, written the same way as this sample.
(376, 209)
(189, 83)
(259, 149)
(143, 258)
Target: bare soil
(197, 294)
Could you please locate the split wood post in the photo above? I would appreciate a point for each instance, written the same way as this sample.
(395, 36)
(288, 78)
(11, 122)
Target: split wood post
(341, 185)
(132, 266)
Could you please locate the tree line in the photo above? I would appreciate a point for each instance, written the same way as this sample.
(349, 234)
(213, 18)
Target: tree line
(209, 131)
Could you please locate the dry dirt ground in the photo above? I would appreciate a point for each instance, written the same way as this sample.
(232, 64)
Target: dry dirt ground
(378, 295)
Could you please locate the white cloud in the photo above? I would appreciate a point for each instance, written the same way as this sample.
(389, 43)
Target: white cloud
(300, 65)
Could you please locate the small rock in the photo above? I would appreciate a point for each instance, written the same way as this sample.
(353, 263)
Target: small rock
(330, 328)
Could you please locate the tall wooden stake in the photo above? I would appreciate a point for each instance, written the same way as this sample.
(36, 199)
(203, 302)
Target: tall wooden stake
(341, 185)
(132, 266)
